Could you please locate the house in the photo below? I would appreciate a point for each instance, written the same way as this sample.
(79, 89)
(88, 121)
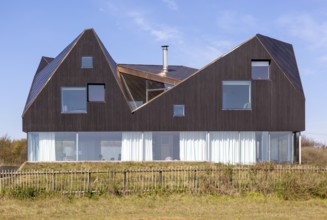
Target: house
(244, 107)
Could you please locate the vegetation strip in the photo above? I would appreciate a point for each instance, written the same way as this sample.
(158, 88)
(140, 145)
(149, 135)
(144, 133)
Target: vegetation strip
(288, 182)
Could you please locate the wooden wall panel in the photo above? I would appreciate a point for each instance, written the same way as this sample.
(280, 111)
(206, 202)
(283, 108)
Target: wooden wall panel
(276, 104)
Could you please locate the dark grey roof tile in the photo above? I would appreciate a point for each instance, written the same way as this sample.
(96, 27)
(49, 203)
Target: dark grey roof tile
(45, 74)
(284, 56)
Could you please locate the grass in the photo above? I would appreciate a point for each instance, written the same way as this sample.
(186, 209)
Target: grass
(175, 206)
(105, 165)
(314, 156)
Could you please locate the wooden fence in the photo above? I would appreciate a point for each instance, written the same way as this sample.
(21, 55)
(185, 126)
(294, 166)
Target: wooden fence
(218, 180)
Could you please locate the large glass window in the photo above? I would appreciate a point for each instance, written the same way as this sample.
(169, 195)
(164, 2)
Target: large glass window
(99, 145)
(65, 146)
(96, 93)
(87, 62)
(222, 147)
(236, 95)
(281, 147)
(73, 100)
(260, 70)
(262, 146)
(165, 145)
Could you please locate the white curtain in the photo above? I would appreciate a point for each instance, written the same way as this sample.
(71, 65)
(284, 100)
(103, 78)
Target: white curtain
(33, 146)
(147, 146)
(193, 146)
(47, 150)
(225, 147)
(132, 146)
(248, 149)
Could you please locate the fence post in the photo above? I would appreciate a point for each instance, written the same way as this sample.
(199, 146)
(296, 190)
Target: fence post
(125, 180)
(53, 181)
(195, 176)
(160, 179)
(89, 181)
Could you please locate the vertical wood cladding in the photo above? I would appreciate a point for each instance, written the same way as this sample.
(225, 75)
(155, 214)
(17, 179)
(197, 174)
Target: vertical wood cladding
(276, 104)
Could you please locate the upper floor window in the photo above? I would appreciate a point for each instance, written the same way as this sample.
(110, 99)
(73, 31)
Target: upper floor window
(73, 100)
(179, 110)
(87, 62)
(236, 95)
(260, 70)
(96, 93)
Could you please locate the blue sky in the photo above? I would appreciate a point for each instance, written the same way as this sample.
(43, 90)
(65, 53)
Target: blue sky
(134, 30)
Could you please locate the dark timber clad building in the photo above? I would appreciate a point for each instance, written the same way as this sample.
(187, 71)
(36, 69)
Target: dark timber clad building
(244, 107)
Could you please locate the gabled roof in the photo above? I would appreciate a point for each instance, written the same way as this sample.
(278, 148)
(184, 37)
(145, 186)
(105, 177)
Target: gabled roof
(48, 67)
(42, 77)
(283, 55)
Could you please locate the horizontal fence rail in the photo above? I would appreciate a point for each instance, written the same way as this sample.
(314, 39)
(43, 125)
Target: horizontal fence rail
(217, 180)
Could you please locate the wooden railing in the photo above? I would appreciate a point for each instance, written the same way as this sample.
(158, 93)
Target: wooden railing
(218, 180)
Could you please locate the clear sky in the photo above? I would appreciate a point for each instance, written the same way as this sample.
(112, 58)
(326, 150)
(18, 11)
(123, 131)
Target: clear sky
(134, 30)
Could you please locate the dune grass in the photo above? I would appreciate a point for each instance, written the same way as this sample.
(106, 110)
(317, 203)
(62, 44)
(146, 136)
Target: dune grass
(314, 156)
(107, 165)
(174, 206)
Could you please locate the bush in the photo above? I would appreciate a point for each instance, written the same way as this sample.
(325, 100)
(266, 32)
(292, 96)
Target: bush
(12, 152)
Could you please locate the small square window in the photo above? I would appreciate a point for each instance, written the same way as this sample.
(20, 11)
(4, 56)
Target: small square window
(96, 93)
(179, 110)
(236, 95)
(87, 62)
(260, 70)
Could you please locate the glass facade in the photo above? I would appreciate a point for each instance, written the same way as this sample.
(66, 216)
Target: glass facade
(65, 146)
(222, 147)
(275, 146)
(165, 145)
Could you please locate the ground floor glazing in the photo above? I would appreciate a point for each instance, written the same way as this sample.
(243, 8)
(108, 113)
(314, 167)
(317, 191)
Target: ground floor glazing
(219, 147)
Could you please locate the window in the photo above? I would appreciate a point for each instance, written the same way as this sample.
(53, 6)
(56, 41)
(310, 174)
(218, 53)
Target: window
(87, 62)
(73, 100)
(96, 93)
(179, 110)
(260, 70)
(165, 146)
(236, 95)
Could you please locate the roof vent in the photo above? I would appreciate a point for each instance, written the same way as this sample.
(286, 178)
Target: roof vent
(164, 59)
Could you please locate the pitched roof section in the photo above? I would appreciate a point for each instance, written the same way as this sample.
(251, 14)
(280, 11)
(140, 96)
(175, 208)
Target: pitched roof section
(43, 63)
(283, 55)
(42, 77)
(110, 60)
(174, 72)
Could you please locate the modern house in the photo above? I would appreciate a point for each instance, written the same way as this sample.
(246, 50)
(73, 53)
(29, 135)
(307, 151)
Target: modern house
(244, 107)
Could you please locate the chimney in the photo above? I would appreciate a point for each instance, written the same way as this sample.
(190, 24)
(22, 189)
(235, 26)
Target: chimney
(164, 59)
